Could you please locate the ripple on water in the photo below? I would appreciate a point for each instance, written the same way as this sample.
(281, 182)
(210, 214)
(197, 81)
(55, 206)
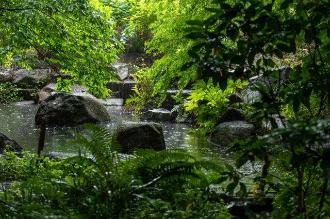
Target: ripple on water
(17, 122)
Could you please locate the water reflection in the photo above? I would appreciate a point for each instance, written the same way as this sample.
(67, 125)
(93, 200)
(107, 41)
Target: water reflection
(17, 122)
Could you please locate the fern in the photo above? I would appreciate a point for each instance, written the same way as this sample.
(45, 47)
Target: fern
(108, 185)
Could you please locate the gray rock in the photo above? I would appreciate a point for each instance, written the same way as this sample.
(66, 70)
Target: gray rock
(140, 136)
(250, 95)
(122, 70)
(6, 142)
(5, 76)
(45, 92)
(227, 132)
(161, 115)
(32, 78)
(232, 114)
(66, 109)
(42, 95)
(273, 123)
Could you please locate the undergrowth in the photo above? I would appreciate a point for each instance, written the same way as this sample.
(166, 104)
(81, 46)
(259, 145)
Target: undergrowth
(101, 183)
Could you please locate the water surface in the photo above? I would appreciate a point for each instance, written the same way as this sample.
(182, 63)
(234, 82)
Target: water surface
(17, 122)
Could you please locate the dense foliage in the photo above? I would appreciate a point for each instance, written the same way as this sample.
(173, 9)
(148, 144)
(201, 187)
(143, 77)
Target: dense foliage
(71, 37)
(101, 184)
(166, 22)
(211, 47)
(242, 39)
(284, 43)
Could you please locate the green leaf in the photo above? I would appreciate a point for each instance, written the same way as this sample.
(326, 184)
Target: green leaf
(195, 22)
(195, 35)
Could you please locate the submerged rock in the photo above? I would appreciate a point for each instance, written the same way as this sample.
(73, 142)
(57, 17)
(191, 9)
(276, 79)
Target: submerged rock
(66, 109)
(140, 136)
(8, 143)
(227, 132)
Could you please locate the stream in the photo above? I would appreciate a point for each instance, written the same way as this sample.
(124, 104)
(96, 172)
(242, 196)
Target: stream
(17, 122)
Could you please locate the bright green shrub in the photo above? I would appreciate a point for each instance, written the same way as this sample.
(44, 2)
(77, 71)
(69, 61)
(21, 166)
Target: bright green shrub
(208, 101)
(74, 37)
(167, 23)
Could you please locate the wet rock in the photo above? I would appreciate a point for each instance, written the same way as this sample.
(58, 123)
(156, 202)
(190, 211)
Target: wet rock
(7, 143)
(122, 90)
(160, 115)
(32, 78)
(227, 132)
(5, 76)
(232, 114)
(66, 109)
(45, 92)
(274, 122)
(140, 136)
(250, 96)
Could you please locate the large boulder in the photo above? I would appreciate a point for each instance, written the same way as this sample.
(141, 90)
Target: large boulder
(32, 78)
(227, 132)
(140, 136)
(7, 143)
(66, 109)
